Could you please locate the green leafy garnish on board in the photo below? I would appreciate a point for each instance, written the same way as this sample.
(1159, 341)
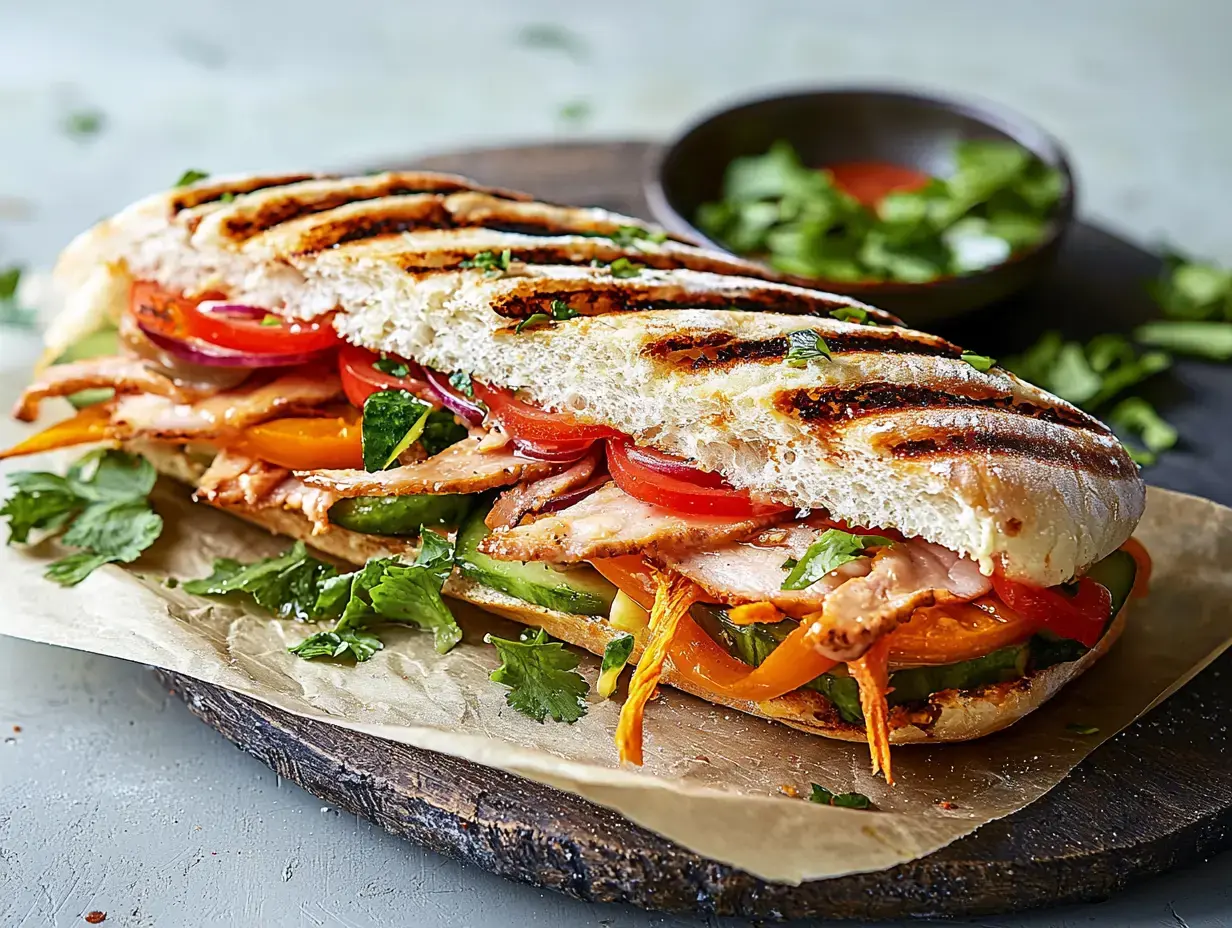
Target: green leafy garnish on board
(998, 200)
(1135, 418)
(286, 585)
(1080, 729)
(1086, 374)
(393, 421)
(804, 346)
(541, 677)
(615, 656)
(1200, 338)
(100, 505)
(826, 797)
(191, 176)
(833, 549)
(981, 362)
(1187, 289)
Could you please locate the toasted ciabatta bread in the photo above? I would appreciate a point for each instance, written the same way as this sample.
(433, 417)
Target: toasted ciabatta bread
(949, 715)
(895, 430)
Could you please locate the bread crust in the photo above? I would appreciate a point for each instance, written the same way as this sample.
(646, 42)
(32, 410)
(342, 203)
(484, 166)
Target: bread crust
(950, 715)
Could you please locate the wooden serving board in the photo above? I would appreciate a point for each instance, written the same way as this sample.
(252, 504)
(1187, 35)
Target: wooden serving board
(1158, 795)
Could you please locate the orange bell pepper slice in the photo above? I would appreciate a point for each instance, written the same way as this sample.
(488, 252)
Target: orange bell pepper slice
(92, 424)
(305, 443)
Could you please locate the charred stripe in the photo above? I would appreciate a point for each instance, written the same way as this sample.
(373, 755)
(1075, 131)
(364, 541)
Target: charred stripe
(1112, 463)
(212, 193)
(704, 355)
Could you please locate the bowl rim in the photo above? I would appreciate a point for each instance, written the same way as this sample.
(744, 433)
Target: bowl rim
(995, 115)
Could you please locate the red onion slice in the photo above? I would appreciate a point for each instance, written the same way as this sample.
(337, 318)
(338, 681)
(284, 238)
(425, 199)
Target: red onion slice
(565, 500)
(237, 310)
(196, 351)
(556, 452)
(459, 405)
(674, 467)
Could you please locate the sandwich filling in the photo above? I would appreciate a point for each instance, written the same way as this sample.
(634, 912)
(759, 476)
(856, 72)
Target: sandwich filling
(745, 598)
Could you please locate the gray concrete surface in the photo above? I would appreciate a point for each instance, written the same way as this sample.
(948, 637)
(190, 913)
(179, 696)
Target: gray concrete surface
(112, 797)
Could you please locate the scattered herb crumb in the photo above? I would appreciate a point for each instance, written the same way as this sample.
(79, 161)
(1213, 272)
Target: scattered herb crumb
(1079, 728)
(981, 362)
(804, 346)
(553, 37)
(826, 797)
(575, 112)
(82, 124)
(191, 176)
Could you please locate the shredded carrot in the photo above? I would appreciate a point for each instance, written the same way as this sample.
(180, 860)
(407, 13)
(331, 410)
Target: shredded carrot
(90, 425)
(872, 674)
(673, 596)
(1142, 560)
(754, 612)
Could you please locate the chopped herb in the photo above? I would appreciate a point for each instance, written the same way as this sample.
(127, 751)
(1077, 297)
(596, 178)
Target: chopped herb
(632, 236)
(441, 431)
(623, 268)
(852, 314)
(227, 197)
(84, 123)
(532, 321)
(561, 311)
(392, 421)
(10, 279)
(461, 381)
(1135, 418)
(391, 366)
(101, 504)
(269, 319)
(171, 583)
(804, 346)
(826, 797)
(789, 563)
(491, 263)
(11, 313)
(1080, 729)
(541, 677)
(833, 549)
(981, 362)
(286, 585)
(1200, 338)
(361, 645)
(615, 656)
(551, 37)
(574, 112)
(191, 176)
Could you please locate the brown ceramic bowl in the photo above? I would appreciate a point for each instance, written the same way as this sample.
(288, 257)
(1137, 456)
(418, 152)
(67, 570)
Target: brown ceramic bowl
(832, 126)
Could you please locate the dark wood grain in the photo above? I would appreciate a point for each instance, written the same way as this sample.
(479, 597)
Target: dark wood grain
(1157, 796)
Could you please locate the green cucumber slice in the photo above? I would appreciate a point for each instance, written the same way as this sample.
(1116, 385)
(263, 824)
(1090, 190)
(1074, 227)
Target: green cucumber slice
(399, 515)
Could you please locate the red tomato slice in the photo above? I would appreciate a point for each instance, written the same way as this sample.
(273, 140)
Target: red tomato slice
(255, 330)
(532, 424)
(162, 311)
(677, 493)
(1080, 617)
(360, 379)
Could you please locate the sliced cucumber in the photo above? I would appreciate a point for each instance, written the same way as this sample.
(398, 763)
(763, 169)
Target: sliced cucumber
(105, 341)
(577, 590)
(1117, 572)
(398, 515)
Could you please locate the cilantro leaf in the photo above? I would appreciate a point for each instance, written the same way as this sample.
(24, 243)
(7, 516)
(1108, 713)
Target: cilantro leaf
(562, 311)
(852, 314)
(623, 268)
(827, 797)
(490, 262)
(541, 677)
(287, 585)
(441, 430)
(461, 381)
(361, 645)
(191, 176)
(43, 501)
(391, 366)
(532, 321)
(833, 549)
(633, 236)
(412, 594)
(981, 362)
(392, 421)
(615, 656)
(1200, 338)
(804, 346)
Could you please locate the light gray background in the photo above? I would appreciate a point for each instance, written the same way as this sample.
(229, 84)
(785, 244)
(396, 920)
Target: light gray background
(112, 796)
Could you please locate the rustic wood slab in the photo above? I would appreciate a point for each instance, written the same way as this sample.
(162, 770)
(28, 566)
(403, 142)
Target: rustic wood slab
(1157, 796)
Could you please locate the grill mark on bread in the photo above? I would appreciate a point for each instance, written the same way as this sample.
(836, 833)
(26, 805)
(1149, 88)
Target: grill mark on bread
(702, 352)
(829, 405)
(1102, 461)
(212, 193)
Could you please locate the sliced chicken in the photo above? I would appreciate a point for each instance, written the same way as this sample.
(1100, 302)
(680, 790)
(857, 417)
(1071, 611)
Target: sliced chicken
(901, 578)
(151, 416)
(460, 468)
(126, 375)
(609, 523)
(525, 498)
(235, 481)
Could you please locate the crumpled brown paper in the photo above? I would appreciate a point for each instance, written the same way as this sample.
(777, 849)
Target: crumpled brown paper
(712, 779)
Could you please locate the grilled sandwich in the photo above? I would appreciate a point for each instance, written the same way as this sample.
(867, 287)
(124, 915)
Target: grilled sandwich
(794, 504)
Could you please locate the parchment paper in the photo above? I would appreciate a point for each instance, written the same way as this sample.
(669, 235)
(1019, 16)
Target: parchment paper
(713, 777)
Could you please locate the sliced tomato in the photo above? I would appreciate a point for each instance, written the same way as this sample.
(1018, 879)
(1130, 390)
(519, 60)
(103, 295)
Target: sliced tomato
(1081, 616)
(304, 443)
(161, 310)
(677, 493)
(361, 378)
(956, 632)
(254, 330)
(523, 421)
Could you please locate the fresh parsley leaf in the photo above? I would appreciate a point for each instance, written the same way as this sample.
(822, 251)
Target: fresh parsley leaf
(461, 381)
(491, 263)
(361, 645)
(191, 176)
(84, 123)
(852, 314)
(623, 268)
(541, 677)
(827, 797)
(441, 431)
(71, 570)
(532, 321)
(552, 37)
(287, 585)
(43, 502)
(562, 311)
(615, 656)
(804, 346)
(412, 594)
(1136, 418)
(633, 236)
(393, 420)
(391, 366)
(1200, 338)
(981, 362)
(833, 549)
